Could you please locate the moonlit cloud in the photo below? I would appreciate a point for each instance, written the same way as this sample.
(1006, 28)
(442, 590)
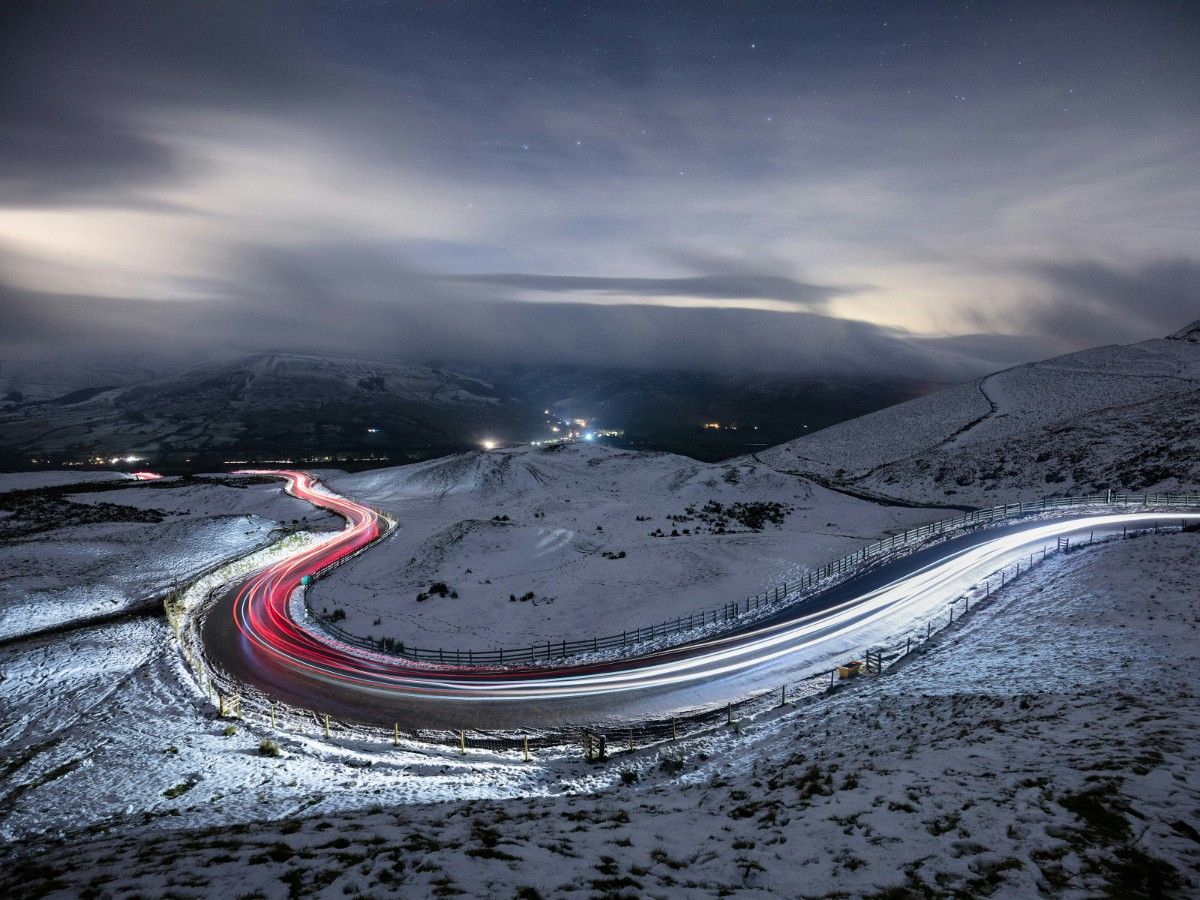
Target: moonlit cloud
(949, 191)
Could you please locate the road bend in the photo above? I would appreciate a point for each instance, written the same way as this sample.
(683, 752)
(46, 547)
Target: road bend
(250, 634)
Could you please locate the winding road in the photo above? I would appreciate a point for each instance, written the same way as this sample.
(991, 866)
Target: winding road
(250, 635)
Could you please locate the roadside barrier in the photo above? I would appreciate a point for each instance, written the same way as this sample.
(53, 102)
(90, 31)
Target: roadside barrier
(234, 700)
(786, 595)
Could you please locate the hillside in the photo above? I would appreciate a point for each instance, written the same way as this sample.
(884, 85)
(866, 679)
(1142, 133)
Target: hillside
(996, 764)
(277, 404)
(1110, 417)
(586, 537)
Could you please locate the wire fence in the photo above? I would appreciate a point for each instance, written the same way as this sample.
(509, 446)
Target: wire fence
(786, 595)
(235, 701)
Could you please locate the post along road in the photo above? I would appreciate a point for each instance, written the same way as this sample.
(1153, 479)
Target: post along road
(250, 634)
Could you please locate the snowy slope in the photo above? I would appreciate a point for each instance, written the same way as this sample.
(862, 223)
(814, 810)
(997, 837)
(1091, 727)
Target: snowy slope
(1118, 416)
(65, 570)
(510, 523)
(999, 763)
(24, 481)
(282, 402)
(35, 381)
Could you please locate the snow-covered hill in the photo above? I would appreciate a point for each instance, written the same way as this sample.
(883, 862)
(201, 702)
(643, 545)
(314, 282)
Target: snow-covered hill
(1000, 763)
(1116, 416)
(587, 538)
(281, 403)
(36, 381)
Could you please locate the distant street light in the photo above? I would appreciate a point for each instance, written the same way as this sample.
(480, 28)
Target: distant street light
(489, 445)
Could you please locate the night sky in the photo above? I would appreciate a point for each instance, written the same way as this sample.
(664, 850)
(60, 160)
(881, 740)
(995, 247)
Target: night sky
(934, 189)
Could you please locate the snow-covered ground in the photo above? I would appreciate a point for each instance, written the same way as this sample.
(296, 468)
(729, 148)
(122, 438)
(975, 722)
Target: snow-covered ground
(25, 481)
(1045, 744)
(1117, 416)
(68, 571)
(583, 537)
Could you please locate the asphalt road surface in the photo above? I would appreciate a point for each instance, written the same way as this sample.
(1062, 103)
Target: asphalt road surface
(250, 635)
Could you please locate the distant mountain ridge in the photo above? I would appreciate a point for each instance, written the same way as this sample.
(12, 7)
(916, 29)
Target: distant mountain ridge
(1188, 332)
(271, 403)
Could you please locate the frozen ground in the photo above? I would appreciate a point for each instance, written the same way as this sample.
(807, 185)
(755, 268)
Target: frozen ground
(1047, 744)
(583, 537)
(1118, 416)
(74, 555)
(24, 481)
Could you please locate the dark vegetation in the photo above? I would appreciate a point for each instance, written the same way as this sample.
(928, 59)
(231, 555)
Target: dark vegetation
(437, 589)
(717, 518)
(44, 509)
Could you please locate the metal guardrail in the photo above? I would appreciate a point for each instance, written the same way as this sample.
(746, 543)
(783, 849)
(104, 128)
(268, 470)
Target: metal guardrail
(742, 611)
(282, 719)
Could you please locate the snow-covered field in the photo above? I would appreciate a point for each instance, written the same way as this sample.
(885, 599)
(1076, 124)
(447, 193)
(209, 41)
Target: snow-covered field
(544, 527)
(25, 481)
(66, 571)
(1118, 416)
(1046, 744)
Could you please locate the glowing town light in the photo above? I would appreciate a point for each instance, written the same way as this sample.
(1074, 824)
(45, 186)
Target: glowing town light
(488, 444)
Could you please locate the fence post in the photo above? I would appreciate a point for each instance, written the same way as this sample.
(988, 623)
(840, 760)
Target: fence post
(526, 748)
(783, 695)
(674, 732)
(462, 742)
(729, 714)
(326, 724)
(907, 646)
(395, 734)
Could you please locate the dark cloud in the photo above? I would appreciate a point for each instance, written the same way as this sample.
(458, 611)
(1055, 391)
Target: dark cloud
(1097, 303)
(228, 176)
(301, 302)
(700, 287)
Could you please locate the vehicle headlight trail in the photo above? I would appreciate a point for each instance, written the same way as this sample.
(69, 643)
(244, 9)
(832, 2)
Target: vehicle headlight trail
(270, 648)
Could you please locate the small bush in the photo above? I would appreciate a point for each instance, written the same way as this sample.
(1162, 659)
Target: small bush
(268, 747)
(229, 731)
(671, 763)
(629, 776)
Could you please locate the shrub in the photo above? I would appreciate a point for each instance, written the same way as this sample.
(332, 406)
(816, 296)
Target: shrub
(229, 731)
(268, 747)
(671, 763)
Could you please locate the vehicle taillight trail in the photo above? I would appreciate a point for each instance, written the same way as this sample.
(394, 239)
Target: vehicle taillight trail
(251, 634)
